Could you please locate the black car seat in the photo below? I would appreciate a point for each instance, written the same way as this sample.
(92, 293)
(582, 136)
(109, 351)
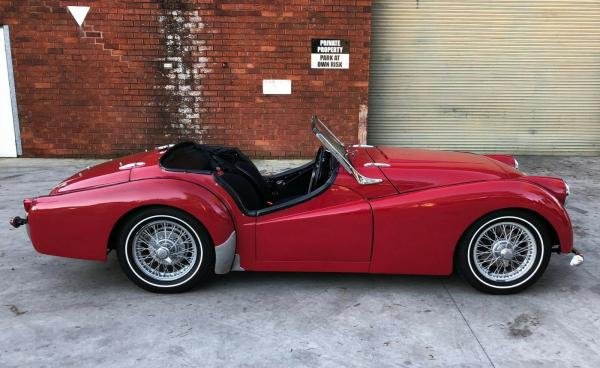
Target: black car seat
(243, 191)
(233, 161)
(251, 172)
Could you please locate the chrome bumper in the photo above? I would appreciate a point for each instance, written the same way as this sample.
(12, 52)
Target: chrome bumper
(577, 259)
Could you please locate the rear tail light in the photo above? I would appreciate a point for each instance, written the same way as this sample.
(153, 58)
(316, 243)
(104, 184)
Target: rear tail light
(27, 204)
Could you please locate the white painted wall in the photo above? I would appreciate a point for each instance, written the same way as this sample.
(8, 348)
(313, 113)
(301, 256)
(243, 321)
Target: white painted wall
(8, 146)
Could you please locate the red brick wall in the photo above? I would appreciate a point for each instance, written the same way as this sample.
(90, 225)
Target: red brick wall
(148, 72)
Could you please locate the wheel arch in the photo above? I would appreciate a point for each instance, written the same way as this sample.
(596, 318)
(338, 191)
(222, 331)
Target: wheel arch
(118, 226)
(553, 234)
(202, 205)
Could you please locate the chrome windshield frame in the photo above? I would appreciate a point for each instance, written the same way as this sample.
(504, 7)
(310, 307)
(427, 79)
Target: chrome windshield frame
(338, 150)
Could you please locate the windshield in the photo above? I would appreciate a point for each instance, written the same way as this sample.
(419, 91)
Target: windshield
(320, 129)
(338, 150)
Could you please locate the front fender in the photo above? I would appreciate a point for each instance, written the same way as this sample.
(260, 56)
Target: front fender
(78, 224)
(417, 232)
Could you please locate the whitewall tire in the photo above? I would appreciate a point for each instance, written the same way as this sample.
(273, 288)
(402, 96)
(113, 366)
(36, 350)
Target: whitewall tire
(162, 249)
(504, 252)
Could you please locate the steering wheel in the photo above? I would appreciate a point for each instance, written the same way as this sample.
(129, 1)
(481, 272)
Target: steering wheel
(317, 171)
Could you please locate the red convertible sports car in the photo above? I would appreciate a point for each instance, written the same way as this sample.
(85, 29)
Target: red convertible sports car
(178, 214)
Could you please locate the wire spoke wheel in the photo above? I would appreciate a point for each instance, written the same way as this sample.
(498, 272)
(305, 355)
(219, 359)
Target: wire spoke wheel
(164, 250)
(504, 251)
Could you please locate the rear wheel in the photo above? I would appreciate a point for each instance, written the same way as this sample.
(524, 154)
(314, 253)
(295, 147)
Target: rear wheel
(165, 250)
(504, 252)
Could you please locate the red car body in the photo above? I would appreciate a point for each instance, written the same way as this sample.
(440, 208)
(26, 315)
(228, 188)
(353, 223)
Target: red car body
(408, 223)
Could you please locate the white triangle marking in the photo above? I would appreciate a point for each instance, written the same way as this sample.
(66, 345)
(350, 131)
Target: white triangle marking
(79, 13)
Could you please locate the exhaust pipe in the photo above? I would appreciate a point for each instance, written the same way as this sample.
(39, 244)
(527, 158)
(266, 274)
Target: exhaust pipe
(17, 222)
(577, 259)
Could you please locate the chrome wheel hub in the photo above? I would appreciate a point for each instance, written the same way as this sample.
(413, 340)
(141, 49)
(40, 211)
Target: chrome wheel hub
(504, 251)
(165, 250)
(162, 253)
(506, 254)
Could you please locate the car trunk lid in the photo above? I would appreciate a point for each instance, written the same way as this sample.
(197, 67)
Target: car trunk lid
(111, 172)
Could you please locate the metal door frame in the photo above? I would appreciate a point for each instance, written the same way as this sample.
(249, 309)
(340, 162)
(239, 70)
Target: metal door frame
(11, 86)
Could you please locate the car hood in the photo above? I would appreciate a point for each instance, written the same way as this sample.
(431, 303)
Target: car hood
(416, 169)
(111, 172)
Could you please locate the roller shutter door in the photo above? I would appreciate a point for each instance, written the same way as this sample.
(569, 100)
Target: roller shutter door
(518, 76)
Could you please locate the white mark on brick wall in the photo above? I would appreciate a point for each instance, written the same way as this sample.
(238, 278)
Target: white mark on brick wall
(79, 13)
(183, 69)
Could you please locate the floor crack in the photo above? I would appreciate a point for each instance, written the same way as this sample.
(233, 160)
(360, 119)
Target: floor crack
(469, 326)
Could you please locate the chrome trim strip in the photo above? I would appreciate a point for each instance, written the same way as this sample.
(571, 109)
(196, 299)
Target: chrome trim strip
(362, 146)
(130, 166)
(224, 255)
(376, 164)
(164, 147)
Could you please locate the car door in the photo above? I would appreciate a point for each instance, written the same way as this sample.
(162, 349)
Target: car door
(334, 227)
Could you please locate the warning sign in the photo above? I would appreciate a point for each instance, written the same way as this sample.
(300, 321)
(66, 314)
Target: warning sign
(330, 54)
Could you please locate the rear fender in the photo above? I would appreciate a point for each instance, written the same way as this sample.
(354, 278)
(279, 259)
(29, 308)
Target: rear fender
(79, 224)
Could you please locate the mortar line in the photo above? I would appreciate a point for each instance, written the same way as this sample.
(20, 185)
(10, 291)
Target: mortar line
(468, 325)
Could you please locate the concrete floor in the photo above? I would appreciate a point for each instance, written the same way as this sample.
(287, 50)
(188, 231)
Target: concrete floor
(67, 313)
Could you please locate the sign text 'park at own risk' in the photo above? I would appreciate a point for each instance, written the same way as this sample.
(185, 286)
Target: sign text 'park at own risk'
(330, 54)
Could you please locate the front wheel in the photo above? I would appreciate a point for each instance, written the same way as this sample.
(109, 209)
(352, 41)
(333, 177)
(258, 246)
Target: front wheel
(164, 250)
(504, 252)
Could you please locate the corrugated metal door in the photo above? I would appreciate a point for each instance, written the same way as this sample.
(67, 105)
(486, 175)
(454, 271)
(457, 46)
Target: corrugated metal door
(518, 76)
